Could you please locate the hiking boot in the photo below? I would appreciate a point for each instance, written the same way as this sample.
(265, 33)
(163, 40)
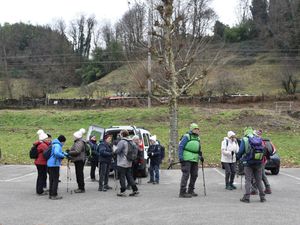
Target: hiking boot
(100, 189)
(253, 192)
(77, 191)
(233, 186)
(268, 191)
(122, 194)
(107, 187)
(93, 179)
(244, 199)
(55, 197)
(43, 193)
(134, 193)
(150, 182)
(193, 194)
(185, 195)
(228, 187)
(263, 199)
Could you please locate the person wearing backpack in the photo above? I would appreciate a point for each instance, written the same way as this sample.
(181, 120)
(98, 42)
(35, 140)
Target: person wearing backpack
(105, 158)
(270, 149)
(124, 165)
(53, 164)
(250, 153)
(229, 148)
(189, 154)
(40, 162)
(94, 156)
(155, 154)
(78, 155)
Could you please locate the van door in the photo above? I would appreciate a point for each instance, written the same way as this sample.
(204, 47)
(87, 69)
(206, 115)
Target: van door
(97, 131)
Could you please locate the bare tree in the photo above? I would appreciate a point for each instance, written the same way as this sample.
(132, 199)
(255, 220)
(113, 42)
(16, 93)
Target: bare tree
(179, 60)
(243, 11)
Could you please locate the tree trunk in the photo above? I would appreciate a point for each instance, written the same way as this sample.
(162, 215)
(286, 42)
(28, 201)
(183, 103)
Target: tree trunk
(173, 136)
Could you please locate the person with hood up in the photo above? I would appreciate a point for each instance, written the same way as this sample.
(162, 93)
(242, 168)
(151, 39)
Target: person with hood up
(189, 154)
(40, 162)
(229, 148)
(77, 153)
(252, 167)
(54, 163)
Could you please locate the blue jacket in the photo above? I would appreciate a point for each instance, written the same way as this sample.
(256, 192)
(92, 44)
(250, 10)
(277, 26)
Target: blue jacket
(56, 155)
(105, 152)
(156, 153)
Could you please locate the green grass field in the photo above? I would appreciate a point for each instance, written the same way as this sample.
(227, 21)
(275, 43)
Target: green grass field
(18, 128)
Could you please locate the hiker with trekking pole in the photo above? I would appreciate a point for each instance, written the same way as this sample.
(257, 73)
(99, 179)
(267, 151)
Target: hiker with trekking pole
(229, 149)
(189, 154)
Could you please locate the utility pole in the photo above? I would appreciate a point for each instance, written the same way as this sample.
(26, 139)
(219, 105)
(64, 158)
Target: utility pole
(150, 19)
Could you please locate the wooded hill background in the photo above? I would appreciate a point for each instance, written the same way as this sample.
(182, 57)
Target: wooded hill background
(86, 58)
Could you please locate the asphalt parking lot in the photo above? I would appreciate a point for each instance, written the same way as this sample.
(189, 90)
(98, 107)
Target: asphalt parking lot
(156, 204)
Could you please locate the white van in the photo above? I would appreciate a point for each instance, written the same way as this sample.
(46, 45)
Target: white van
(144, 135)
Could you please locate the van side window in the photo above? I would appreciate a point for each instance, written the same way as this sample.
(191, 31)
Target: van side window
(146, 140)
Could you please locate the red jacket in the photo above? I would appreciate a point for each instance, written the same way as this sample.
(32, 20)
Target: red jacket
(42, 146)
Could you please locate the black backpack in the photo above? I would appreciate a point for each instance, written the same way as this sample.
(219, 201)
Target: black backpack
(33, 153)
(132, 151)
(48, 152)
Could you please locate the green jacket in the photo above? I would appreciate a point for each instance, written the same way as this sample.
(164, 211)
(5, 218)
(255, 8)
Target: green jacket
(192, 148)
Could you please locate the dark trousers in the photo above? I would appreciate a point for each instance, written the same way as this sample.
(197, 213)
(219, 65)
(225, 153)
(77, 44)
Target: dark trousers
(154, 172)
(126, 173)
(189, 170)
(41, 178)
(103, 174)
(253, 171)
(93, 169)
(53, 180)
(79, 165)
(230, 170)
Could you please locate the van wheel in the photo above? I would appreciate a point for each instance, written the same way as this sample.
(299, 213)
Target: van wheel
(275, 171)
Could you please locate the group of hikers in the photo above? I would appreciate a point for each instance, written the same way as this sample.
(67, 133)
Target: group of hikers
(251, 151)
(123, 156)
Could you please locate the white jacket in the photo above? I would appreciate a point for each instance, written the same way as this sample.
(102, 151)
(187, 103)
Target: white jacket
(227, 147)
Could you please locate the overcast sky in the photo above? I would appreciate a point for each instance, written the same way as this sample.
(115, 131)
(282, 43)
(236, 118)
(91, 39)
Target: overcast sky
(47, 11)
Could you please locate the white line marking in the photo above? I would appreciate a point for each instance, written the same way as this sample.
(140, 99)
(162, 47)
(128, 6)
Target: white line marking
(288, 175)
(16, 178)
(223, 175)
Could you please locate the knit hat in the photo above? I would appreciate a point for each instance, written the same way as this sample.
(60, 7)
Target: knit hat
(78, 134)
(230, 134)
(194, 126)
(248, 131)
(153, 138)
(42, 135)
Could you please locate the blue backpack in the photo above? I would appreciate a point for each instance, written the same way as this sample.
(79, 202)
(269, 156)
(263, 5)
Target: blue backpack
(256, 150)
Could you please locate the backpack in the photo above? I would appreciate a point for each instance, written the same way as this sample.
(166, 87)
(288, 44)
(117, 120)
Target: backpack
(87, 149)
(256, 149)
(132, 151)
(33, 153)
(48, 152)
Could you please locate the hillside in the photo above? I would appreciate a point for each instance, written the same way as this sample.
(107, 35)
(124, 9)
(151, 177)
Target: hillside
(239, 69)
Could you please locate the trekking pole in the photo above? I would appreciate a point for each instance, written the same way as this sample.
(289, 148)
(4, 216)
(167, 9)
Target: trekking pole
(241, 182)
(172, 164)
(203, 179)
(68, 176)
